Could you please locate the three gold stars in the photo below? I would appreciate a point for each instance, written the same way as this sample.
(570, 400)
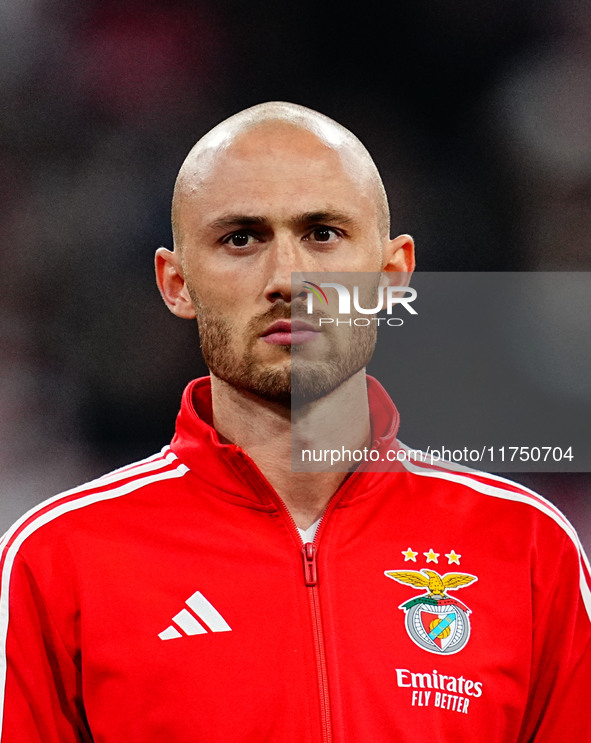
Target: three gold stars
(411, 556)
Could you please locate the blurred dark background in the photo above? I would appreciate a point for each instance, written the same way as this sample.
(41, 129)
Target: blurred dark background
(477, 114)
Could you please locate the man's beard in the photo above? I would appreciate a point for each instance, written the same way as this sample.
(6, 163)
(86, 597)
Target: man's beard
(299, 382)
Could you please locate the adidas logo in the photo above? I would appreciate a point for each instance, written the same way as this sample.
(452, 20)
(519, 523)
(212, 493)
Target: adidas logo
(204, 619)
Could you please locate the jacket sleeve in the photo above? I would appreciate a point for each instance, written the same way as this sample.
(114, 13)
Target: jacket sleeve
(40, 680)
(559, 707)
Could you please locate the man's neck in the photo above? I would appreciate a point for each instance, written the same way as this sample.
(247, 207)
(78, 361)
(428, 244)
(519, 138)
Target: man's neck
(271, 433)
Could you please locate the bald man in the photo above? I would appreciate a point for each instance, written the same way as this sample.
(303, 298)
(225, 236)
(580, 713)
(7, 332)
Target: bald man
(210, 593)
(274, 190)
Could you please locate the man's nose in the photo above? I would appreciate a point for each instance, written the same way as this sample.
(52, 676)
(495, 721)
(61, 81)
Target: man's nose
(286, 262)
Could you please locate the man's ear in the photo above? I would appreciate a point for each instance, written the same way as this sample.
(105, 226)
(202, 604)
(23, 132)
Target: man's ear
(172, 285)
(399, 260)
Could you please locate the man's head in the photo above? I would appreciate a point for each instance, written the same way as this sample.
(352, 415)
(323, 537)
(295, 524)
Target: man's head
(275, 189)
(268, 118)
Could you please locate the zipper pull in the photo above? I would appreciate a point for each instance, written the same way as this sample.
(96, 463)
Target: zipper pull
(310, 569)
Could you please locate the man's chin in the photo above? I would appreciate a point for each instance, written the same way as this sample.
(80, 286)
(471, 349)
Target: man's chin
(293, 382)
(294, 392)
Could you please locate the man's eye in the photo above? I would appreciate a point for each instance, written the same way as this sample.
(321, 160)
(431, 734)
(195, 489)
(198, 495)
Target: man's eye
(323, 235)
(239, 240)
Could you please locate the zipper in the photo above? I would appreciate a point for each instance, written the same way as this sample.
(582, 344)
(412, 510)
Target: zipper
(309, 552)
(310, 567)
(310, 555)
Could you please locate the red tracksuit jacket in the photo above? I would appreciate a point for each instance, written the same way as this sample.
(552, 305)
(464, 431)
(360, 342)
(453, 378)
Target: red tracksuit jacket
(173, 601)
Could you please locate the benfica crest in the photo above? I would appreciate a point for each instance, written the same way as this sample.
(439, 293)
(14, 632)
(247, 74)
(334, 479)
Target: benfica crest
(435, 621)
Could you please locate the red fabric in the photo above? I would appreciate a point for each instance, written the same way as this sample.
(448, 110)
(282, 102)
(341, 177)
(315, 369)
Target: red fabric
(317, 647)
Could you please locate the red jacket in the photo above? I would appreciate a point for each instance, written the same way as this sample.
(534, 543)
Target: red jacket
(173, 601)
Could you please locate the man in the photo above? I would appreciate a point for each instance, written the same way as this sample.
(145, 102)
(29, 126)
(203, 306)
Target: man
(209, 593)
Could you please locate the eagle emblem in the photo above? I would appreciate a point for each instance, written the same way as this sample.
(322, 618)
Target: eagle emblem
(435, 621)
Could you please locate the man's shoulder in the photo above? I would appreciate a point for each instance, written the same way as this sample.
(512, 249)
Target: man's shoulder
(89, 507)
(491, 492)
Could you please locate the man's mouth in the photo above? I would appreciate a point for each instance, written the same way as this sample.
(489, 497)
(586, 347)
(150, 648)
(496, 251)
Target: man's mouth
(289, 333)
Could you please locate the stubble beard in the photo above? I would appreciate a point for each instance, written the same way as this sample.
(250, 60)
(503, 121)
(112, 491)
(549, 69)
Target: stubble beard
(300, 380)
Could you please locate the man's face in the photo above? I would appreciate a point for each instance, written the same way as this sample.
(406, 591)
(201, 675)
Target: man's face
(277, 201)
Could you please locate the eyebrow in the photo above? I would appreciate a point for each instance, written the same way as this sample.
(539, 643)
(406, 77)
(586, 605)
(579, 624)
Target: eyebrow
(329, 215)
(246, 220)
(236, 220)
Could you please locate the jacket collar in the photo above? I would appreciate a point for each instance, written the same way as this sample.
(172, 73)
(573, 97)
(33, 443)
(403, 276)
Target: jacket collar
(228, 468)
